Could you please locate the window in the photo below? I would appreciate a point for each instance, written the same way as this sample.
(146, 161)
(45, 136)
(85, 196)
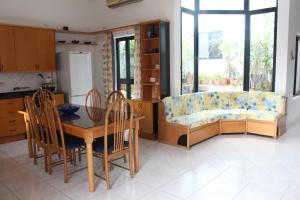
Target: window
(228, 45)
(297, 68)
(125, 65)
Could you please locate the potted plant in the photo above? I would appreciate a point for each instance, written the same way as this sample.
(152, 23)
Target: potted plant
(216, 78)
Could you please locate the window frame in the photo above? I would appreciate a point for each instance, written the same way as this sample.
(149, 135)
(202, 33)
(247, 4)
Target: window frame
(128, 80)
(297, 60)
(247, 13)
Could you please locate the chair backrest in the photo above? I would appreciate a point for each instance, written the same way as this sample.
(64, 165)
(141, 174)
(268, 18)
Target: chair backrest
(34, 120)
(118, 117)
(93, 99)
(53, 126)
(114, 96)
(42, 94)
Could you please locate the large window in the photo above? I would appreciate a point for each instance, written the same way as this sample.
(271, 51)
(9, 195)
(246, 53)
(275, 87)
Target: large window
(228, 45)
(125, 65)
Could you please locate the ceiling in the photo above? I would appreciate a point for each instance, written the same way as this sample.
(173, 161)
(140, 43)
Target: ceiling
(82, 15)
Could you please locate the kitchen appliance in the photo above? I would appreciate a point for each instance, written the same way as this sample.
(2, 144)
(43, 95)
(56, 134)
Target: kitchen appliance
(74, 75)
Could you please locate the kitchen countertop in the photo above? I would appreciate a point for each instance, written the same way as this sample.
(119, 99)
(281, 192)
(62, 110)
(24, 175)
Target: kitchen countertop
(14, 95)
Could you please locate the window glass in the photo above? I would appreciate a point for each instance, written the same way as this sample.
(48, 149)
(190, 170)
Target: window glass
(221, 52)
(189, 4)
(297, 68)
(221, 4)
(260, 4)
(187, 53)
(122, 59)
(261, 52)
(131, 48)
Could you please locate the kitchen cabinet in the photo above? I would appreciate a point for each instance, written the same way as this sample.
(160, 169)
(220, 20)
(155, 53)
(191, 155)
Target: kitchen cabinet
(12, 125)
(7, 49)
(34, 49)
(148, 125)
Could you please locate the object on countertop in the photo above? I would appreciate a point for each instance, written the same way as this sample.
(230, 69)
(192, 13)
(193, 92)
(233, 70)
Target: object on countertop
(68, 108)
(75, 41)
(65, 28)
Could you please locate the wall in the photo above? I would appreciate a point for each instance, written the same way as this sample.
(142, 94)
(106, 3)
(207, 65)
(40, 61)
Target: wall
(293, 30)
(10, 80)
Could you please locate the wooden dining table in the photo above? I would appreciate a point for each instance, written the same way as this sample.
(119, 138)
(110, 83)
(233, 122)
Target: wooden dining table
(89, 124)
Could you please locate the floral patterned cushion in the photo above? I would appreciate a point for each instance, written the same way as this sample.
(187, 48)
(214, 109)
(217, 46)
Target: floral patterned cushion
(195, 103)
(238, 100)
(195, 119)
(232, 114)
(262, 115)
(175, 106)
(216, 100)
(266, 101)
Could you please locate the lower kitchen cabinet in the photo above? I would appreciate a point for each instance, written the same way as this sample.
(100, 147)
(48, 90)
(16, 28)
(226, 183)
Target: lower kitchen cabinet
(148, 126)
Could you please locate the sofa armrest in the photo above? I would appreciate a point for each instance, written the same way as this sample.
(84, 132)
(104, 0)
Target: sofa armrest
(161, 112)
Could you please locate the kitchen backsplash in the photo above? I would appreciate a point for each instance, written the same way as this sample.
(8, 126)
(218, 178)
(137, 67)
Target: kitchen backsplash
(8, 81)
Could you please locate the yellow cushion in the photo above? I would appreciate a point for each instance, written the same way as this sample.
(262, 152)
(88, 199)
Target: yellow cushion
(216, 100)
(238, 100)
(195, 103)
(266, 101)
(175, 106)
(195, 119)
(262, 115)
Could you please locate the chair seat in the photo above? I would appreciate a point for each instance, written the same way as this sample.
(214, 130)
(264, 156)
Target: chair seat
(98, 145)
(72, 142)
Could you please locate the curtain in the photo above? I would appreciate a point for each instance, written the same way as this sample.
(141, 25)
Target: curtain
(107, 64)
(137, 90)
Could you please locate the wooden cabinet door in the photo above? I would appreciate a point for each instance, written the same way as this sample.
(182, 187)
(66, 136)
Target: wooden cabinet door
(26, 49)
(145, 108)
(46, 50)
(7, 49)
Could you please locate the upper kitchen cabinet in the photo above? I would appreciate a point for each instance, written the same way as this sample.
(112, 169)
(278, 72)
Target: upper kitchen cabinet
(7, 49)
(35, 49)
(46, 50)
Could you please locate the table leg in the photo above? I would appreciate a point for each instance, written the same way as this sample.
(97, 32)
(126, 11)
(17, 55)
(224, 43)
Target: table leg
(136, 147)
(90, 165)
(29, 139)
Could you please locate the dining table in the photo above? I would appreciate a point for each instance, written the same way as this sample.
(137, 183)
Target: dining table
(89, 124)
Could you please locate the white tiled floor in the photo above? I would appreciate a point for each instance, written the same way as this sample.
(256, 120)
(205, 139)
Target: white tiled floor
(225, 167)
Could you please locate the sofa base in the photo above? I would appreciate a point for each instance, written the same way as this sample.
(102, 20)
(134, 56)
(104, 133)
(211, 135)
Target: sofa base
(170, 133)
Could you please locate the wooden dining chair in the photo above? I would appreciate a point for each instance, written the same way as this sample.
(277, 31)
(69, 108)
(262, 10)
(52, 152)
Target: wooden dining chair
(36, 132)
(59, 143)
(93, 99)
(114, 96)
(42, 94)
(114, 145)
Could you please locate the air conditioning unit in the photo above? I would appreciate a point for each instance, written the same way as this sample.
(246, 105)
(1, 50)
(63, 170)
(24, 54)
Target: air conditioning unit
(118, 3)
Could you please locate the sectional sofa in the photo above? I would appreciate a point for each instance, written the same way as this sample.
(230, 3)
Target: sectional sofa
(189, 119)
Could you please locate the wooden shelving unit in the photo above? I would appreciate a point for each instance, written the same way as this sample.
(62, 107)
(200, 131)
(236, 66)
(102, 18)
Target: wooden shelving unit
(155, 59)
(155, 64)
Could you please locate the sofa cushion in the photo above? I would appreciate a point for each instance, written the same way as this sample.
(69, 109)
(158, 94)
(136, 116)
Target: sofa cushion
(266, 101)
(233, 114)
(262, 115)
(238, 100)
(196, 119)
(216, 100)
(175, 106)
(195, 103)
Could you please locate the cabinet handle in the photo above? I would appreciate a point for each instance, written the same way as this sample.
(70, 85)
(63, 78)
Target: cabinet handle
(11, 103)
(12, 121)
(12, 130)
(11, 112)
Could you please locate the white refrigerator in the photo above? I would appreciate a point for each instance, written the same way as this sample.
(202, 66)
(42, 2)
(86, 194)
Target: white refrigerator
(74, 75)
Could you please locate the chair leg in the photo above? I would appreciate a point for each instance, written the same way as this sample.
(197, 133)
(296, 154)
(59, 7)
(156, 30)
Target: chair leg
(74, 156)
(130, 164)
(107, 173)
(65, 169)
(79, 154)
(103, 164)
(34, 154)
(49, 163)
(124, 157)
(45, 159)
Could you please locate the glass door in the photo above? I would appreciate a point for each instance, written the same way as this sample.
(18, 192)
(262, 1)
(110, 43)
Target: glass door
(125, 65)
